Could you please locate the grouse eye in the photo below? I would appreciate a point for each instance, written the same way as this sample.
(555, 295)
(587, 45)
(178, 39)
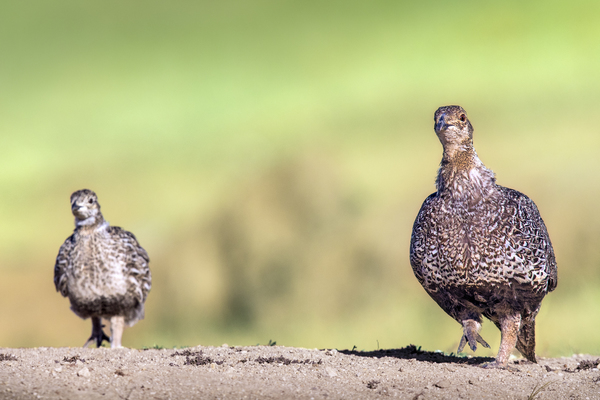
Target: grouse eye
(91, 201)
(462, 117)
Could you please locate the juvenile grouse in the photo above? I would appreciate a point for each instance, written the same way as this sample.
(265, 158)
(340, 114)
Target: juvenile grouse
(479, 248)
(103, 270)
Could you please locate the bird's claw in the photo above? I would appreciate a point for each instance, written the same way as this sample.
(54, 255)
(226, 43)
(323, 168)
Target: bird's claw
(471, 335)
(98, 338)
(497, 365)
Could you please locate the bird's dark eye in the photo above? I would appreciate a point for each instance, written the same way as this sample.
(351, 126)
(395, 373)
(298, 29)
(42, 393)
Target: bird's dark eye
(462, 117)
(91, 201)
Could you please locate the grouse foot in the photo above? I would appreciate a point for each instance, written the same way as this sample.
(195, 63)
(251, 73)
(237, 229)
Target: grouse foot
(471, 335)
(98, 334)
(496, 365)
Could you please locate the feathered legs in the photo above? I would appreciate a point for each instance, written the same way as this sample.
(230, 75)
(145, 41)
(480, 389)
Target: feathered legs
(509, 325)
(98, 334)
(117, 323)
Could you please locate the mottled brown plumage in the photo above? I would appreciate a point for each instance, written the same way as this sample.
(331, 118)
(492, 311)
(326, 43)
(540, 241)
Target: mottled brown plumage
(479, 248)
(103, 271)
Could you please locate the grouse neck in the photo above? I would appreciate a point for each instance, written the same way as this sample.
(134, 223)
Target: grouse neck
(463, 176)
(90, 224)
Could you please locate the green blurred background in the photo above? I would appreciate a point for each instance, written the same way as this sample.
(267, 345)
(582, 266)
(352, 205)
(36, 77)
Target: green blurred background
(271, 157)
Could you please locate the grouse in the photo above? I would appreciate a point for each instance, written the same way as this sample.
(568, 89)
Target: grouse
(479, 248)
(103, 271)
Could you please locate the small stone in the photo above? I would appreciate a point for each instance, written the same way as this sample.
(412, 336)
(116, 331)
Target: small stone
(84, 372)
(331, 352)
(58, 369)
(443, 384)
(331, 372)
(372, 384)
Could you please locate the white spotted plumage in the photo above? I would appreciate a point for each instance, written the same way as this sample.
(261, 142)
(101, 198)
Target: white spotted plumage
(102, 269)
(479, 248)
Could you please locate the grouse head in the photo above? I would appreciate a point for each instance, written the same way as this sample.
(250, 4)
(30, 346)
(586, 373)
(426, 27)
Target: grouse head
(85, 207)
(453, 127)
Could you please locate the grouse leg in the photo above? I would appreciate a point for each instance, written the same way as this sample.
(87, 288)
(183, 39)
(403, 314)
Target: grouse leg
(98, 334)
(509, 327)
(117, 323)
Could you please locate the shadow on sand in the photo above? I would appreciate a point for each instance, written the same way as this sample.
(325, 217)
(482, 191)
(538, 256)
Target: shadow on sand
(412, 352)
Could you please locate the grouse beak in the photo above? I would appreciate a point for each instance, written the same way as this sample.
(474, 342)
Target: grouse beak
(78, 210)
(441, 124)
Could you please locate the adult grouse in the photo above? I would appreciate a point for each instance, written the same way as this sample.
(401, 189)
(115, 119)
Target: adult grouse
(479, 248)
(103, 270)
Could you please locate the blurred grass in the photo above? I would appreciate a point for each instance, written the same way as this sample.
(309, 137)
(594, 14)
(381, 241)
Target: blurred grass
(271, 157)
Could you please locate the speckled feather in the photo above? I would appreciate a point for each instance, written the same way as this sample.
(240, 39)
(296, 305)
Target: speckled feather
(501, 240)
(478, 247)
(103, 270)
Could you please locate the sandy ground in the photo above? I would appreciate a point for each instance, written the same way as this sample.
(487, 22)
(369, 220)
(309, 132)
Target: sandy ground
(275, 372)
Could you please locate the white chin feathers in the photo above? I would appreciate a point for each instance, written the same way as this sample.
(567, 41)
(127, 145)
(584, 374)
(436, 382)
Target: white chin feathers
(85, 222)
